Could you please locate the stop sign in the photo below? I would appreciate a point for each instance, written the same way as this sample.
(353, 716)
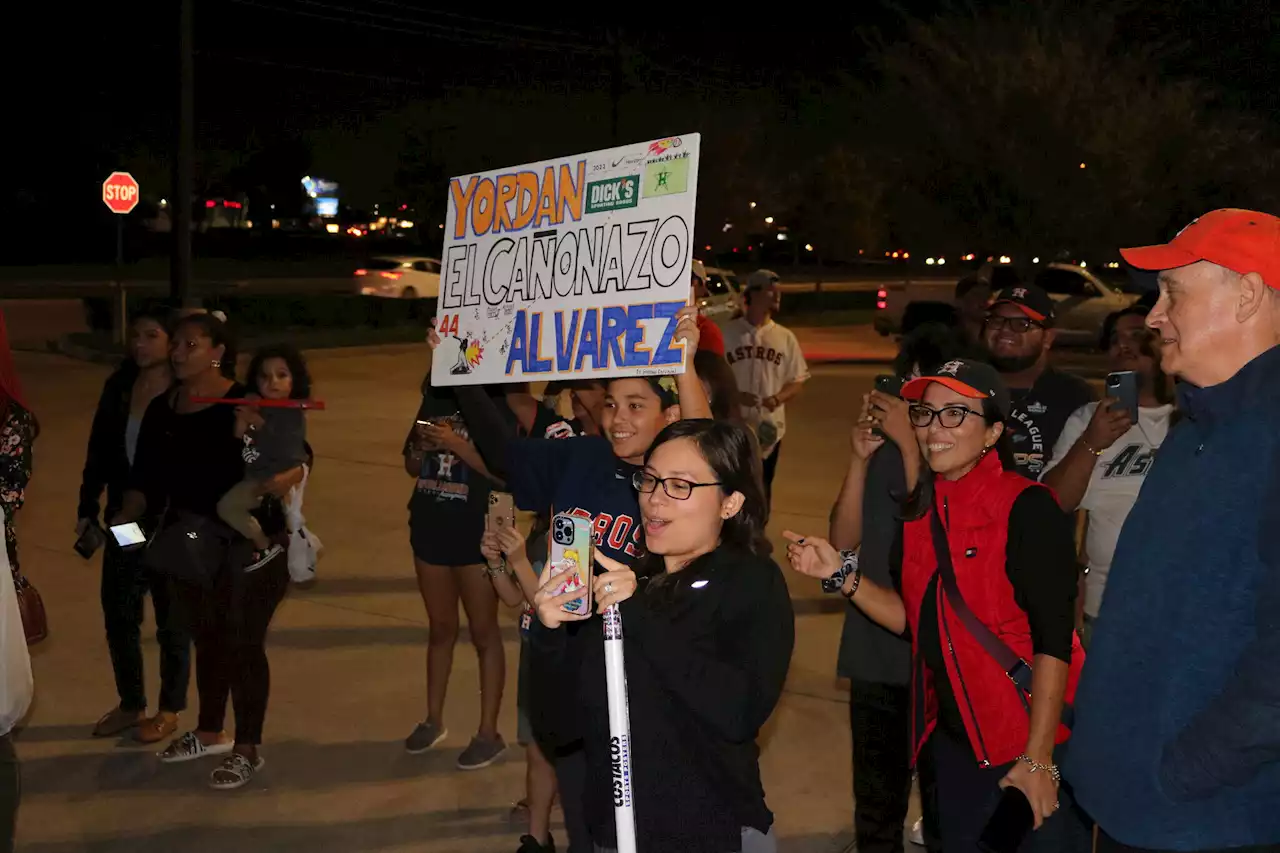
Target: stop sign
(120, 192)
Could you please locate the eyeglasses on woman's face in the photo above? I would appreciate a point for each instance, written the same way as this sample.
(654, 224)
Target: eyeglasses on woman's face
(949, 417)
(676, 488)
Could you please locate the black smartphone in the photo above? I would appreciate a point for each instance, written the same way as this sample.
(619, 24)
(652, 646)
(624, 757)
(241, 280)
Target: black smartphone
(1009, 824)
(887, 383)
(90, 541)
(1123, 386)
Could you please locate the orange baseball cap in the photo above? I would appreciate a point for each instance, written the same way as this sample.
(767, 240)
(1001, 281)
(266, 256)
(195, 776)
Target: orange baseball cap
(1243, 241)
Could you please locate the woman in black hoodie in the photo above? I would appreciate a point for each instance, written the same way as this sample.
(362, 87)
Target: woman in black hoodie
(145, 375)
(708, 633)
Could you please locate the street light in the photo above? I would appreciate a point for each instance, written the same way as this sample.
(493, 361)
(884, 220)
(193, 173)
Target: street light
(808, 247)
(768, 220)
(930, 261)
(753, 205)
(1082, 166)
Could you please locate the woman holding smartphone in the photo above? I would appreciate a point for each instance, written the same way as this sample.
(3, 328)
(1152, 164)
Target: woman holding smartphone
(708, 632)
(187, 458)
(446, 520)
(589, 476)
(1010, 549)
(113, 446)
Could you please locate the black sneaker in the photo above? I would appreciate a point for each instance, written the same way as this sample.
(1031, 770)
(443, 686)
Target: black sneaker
(481, 752)
(529, 844)
(425, 735)
(261, 557)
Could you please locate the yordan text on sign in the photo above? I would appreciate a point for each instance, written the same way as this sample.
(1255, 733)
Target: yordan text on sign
(120, 192)
(570, 268)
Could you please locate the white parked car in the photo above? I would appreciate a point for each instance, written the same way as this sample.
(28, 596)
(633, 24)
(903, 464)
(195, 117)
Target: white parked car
(722, 300)
(399, 277)
(1083, 302)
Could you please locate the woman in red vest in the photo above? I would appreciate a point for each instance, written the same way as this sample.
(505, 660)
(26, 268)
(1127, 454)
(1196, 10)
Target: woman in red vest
(996, 658)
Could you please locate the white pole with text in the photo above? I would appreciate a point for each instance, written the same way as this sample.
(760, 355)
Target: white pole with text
(615, 674)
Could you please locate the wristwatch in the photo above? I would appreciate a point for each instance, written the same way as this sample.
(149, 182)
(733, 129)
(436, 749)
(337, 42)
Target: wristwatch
(848, 565)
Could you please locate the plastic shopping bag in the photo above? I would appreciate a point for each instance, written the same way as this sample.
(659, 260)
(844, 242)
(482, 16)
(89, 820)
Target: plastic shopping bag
(16, 686)
(304, 546)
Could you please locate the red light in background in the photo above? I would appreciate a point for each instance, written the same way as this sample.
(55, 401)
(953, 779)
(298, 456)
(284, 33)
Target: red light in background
(882, 305)
(708, 247)
(210, 203)
(362, 272)
(735, 250)
(391, 275)
(232, 204)
(882, 294)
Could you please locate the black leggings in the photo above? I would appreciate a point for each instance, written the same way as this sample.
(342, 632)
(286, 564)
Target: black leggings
(229, 624)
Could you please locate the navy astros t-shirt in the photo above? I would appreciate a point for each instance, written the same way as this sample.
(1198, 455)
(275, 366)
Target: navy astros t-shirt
(1038, 415)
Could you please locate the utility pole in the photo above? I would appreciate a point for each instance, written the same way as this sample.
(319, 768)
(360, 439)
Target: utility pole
(615, 94)
(180, 260)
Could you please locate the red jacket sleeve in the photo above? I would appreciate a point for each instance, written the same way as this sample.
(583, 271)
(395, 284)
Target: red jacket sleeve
(710, 337)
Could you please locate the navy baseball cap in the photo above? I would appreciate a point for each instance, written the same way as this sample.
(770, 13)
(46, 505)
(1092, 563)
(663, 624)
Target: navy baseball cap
(965, 376)
(1031, 299)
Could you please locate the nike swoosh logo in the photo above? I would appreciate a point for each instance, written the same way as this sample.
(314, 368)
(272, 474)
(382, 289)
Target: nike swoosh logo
(619, 160)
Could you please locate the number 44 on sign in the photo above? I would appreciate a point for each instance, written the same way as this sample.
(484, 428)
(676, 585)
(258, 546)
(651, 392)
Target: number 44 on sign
(448, 326)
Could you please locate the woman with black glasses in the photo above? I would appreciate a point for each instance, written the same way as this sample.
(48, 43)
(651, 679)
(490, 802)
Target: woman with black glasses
(986, 585)
(708, 632)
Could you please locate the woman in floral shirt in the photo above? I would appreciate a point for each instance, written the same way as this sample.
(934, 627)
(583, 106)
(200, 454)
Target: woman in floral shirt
(17, 435)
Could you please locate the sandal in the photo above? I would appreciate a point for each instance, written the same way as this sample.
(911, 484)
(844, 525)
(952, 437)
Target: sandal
(236, 771)
(157, 728)
(189, 748)
(118, 721)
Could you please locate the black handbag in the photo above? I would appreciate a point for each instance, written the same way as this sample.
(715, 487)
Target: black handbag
(188, 547)
(1017, 669)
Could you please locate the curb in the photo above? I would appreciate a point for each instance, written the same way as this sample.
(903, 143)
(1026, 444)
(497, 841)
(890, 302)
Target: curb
(64, 346)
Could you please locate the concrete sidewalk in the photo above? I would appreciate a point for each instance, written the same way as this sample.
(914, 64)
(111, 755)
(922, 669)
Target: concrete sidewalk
(348, 656)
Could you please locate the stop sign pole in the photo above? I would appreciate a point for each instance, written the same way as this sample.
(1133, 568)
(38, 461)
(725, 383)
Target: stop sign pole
(120, 193)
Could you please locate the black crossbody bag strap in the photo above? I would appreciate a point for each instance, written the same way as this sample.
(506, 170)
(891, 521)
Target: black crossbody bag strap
(1017, 669)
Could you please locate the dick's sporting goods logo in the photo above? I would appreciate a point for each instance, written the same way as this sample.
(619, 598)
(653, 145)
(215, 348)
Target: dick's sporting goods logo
(613, 194)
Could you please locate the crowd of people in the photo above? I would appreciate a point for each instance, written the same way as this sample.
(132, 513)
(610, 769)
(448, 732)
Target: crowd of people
(995, 523)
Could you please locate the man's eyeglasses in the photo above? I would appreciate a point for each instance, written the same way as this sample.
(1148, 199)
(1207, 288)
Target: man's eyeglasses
(675, 487)
(949, 416)
(1017, 325)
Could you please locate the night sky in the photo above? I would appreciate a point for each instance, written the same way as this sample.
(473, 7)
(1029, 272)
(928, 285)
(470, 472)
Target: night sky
(97, 87)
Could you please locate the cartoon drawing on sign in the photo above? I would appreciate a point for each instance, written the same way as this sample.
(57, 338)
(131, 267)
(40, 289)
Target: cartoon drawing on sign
(469, 354)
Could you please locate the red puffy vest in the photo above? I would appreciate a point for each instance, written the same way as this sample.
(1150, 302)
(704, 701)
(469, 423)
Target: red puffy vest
(976, 516)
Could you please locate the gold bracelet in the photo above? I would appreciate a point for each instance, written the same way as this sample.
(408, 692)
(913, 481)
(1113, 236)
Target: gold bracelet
(1052, 769)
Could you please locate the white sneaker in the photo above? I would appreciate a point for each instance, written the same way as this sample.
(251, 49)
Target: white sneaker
(917, 832)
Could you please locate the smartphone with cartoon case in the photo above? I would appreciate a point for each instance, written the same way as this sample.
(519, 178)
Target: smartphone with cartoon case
(569, 559)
